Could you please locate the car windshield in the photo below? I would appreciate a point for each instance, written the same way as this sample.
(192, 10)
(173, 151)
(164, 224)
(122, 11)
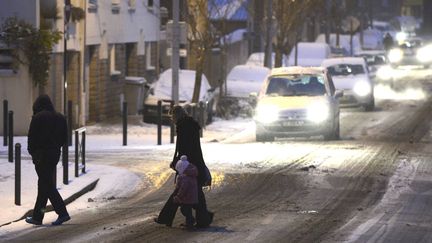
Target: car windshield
(296, 85)
(346, 69)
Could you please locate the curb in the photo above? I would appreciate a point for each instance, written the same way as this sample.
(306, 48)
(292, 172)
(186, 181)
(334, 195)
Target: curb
(67, 201)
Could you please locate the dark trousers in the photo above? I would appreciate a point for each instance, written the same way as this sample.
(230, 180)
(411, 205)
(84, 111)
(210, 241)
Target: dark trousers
(186, 210)
(202, 215)
(47, 190)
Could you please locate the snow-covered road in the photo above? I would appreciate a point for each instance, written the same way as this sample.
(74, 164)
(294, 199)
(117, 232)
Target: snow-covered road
(372, 185)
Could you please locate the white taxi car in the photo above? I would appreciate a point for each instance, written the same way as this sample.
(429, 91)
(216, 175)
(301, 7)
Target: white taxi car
(297, 101)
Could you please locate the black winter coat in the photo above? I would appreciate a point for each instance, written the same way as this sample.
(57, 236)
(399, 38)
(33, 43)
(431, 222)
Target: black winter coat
(47, 132)
(188, 143)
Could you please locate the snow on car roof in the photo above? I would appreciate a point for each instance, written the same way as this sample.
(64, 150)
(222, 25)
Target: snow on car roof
(297, 70)
(162, 88)
(343, 60)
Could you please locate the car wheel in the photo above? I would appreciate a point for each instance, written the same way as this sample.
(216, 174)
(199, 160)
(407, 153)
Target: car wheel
(262, 137)
(370, 106)
(334, 133)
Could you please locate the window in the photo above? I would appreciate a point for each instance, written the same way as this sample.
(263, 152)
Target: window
(112, 59)
(92, 5)
(132, 5)
(115, 6)
(7, 61)
(150, 62)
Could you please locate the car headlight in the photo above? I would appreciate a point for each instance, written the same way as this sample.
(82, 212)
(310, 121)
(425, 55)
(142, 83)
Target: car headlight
(266, 113)
(395, 55)
(401, 37)
(424, 54)
(318, 112)
(362, 88)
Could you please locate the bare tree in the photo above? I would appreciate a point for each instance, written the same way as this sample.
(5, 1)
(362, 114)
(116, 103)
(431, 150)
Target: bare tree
(289, 16)
(200, 39)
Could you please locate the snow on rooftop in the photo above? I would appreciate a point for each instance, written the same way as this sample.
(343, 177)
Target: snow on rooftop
(309, 54)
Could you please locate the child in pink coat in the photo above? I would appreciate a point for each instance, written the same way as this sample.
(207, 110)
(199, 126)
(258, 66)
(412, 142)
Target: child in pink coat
(186, 189)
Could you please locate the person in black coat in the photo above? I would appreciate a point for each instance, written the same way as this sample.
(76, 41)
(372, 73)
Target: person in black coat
(47, 134)
(188, 143)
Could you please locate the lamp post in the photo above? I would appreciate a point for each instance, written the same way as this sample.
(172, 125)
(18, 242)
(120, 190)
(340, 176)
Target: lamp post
(67, 13)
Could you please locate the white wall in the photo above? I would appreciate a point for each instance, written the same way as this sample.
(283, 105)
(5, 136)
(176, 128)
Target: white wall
(126, 26)
(17, 89)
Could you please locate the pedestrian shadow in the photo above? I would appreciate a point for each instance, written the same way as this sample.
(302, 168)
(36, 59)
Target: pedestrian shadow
(215, 229)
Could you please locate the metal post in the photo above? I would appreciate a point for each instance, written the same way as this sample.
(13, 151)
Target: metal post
(18, 174)
(83, 146)
(5, 122)
(125, 111)
(67, 13)
(175, 57)
(76, 153)
(65, 164)
(11, 136)
(159, 122)
(69, 121)
(269, 36)
(172, 128)
(201, 119)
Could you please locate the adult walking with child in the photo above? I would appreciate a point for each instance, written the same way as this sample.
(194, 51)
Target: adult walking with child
(188, 143)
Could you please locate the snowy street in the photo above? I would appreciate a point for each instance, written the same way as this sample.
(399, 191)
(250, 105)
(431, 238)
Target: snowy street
(372, 185)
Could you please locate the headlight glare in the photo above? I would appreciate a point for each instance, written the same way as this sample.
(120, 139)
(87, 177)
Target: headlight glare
(362, 88)
(395, 55)
(266, 113)
(424, 54)
(384, 73)
(318, 112)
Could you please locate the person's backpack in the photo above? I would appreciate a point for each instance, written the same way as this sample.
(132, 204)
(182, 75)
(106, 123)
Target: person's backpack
(207, 177)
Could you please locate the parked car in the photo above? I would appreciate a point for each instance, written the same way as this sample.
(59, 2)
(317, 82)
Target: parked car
(351, 75)
(244, 79)
(297, 101)
(241, 82)
(411, 52)
(162, 89)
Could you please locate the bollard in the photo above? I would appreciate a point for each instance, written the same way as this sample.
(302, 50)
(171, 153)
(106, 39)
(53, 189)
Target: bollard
(124, 115)
(201, 119)
(69, 122)
(172, 128)
(65, 163)
(11, 136)
(76, 153)
(83, 145)
(18, 174)
(5, 122)
(159, 122)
